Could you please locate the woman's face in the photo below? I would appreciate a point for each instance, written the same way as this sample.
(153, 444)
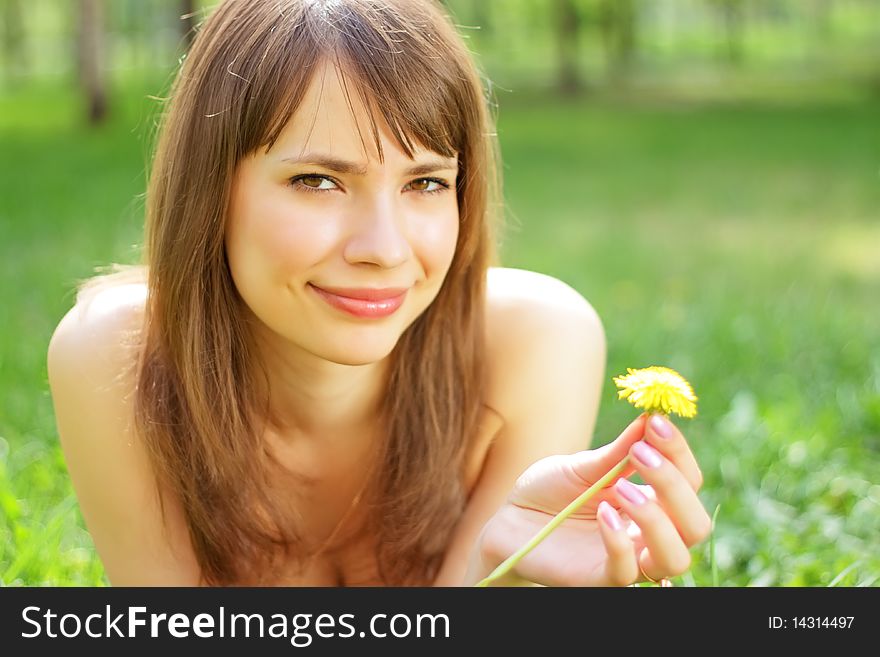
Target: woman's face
(331, 249)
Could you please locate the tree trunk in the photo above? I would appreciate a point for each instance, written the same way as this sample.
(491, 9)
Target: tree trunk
(567, 24)
(822, 23)
(91, 58)
(13, 40)
(188, 21)
(618, 23)
(626, 35)
(733, 18)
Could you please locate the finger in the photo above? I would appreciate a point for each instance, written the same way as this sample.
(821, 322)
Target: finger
(667, 554)
(665, 436)
(673, 492)
(621, 568)
(602, 459)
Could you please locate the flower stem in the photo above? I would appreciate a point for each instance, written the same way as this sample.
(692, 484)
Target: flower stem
(508, 564)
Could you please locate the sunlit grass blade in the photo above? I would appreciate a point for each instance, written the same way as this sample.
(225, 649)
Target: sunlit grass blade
(712, 560)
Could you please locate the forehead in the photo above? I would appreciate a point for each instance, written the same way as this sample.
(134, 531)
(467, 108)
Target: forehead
(332, 119)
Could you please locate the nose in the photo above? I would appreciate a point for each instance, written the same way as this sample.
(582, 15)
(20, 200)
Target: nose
(380, 236)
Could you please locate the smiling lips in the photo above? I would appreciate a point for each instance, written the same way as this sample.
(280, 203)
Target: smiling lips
(362, 302)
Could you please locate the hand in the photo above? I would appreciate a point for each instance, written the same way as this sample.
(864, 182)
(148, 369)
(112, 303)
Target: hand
(622, 528)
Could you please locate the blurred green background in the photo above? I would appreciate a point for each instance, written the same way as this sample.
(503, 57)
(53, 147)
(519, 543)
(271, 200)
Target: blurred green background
(705, 172)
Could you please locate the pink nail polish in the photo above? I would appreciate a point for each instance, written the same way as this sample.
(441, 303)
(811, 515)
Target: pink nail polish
(661, 426)
(610, 516)
(629, 491)
(647, 455)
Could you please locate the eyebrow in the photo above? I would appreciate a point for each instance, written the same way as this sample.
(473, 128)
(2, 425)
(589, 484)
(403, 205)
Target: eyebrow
(344, 166)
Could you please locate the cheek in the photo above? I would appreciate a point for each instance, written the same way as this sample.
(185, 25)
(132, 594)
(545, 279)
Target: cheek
(269, 235)
(436, 242)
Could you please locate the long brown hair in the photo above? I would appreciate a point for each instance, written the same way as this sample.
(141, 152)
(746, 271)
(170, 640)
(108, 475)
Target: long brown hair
(197, 403)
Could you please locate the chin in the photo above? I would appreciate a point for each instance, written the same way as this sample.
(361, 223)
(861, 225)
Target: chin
(358, 352)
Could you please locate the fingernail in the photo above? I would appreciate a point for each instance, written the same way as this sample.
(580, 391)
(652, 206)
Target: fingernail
(610, 516)
(647, 455)
(628, 489)
(661, 426)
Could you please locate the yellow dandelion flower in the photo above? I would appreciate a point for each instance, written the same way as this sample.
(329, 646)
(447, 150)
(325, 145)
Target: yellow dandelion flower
(657, 389)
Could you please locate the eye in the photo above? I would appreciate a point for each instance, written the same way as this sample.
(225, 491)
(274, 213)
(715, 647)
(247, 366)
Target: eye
(313, 182)
(429, 185)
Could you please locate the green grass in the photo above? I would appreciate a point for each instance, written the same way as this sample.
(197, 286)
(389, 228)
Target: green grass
(737, 244)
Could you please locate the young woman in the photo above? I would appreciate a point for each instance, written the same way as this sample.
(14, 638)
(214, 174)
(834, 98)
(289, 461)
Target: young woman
(317, 378)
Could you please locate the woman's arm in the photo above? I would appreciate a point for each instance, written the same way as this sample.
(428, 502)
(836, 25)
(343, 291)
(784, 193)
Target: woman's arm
(92, 390)
(547, 362)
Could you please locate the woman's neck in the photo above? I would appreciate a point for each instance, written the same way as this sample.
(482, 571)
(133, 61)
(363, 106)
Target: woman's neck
(313, 398)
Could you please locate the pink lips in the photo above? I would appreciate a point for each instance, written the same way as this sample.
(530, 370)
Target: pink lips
(363, 302)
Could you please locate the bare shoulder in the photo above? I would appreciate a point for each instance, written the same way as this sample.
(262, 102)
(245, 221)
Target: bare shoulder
(92, 356)
(522, 289)
(546, 356)
(95, 335)
(544, 338)
(91, 365)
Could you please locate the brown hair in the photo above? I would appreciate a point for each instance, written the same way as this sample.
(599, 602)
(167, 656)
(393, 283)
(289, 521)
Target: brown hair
(197, 403)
